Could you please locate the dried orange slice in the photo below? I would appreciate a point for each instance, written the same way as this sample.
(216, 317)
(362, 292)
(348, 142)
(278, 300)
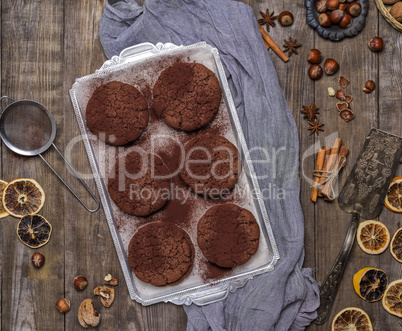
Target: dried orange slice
(351, 318)
(392, 299)
(373, 237)
(396, 245)
(34, 231)
(23, 197)
(370, 284)
(393, 199)
(3, 212)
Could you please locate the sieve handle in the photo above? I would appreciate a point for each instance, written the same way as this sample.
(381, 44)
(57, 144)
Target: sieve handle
(78, 176)
(5, 97)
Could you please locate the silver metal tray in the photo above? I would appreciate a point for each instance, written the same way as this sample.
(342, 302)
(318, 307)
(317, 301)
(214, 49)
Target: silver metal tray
(140, 66)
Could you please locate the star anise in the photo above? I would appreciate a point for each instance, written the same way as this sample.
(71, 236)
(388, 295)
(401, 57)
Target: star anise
(268, 19)
(290, 46)
(315, 127)
(310, 112)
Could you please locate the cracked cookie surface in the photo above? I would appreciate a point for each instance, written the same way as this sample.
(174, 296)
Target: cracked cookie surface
(228, 235)
(161, 254)
(117, 113)
(187, 96)
(212, 165)
(141, 184)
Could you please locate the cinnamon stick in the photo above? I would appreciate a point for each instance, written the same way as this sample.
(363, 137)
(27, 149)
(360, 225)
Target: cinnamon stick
(273, 45)
(318, 166)
(333, 155)
(321, 179)
(266, 44)
(343, 152)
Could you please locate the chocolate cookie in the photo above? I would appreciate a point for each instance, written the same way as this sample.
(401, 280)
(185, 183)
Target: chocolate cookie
(228, 235)
(117, 113)
(187, 96)
(141, 184)
(161, 254)
(212, 165)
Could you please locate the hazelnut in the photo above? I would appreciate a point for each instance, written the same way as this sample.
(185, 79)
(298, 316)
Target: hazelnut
(332, 4)
(63, 305)
(354, 9)
(396, 11)
(285, 18)
(342, 1)
(342, 6)
(389, 2)
(340, 95)
(324, 20)
(346, 21)
(336, 16)
(110, 280)
(331, 66)
(315, 72)
(80, 283)
(38, 260)
(314, 56)
(331, 92)
(376, 44)
(367, 91)
(370, 85)
(321, 6)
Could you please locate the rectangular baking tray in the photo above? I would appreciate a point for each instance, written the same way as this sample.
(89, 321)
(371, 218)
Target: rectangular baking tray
(142, 64)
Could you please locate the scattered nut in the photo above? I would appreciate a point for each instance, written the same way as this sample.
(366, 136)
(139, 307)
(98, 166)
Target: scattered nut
(396, 11)
(370, 85)
(347, 115)
(332, 4)
(106, 295)
(63, 305)
(348, 98)
(342, 106)
(376, 44)
(389, 2)
(285, 18)
(354, 9)
(342, 6)
(324, 20)
(38, 260)
(336, 16)
(367, 91)
(340, 95)
(315, 72)
(314, 56)
(331, 66)
(342, 81)
(87, 315)
(331, 91)
(111, 281)
(80, 283)
(321, 6)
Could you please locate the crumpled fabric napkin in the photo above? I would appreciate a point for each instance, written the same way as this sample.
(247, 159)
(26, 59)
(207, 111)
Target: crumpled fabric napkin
(287, 297)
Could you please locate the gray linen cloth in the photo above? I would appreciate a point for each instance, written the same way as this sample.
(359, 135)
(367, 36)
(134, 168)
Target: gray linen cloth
(286, 298)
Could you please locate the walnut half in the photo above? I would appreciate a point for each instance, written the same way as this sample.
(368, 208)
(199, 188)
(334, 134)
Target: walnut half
(106, 295)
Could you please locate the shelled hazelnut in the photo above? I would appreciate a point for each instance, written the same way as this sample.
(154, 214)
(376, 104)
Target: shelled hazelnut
(376, 44)
(285, 18)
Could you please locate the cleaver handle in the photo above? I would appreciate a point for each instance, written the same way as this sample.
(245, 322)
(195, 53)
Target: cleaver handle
(329, 288)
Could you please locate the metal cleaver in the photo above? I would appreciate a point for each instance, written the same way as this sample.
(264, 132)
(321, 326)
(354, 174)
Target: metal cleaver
(362, 196)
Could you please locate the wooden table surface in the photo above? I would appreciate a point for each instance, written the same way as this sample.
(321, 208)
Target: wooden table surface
(46, 44)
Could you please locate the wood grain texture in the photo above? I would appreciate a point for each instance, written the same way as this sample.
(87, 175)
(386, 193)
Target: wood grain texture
(46, 45)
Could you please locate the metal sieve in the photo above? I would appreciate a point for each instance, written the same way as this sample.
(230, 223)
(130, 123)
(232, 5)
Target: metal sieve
(28, 128)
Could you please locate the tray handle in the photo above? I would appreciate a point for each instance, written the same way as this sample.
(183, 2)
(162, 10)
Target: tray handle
(136, 53)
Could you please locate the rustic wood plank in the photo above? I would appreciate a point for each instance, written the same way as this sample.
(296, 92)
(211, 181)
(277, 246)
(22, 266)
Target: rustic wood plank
(32, 69)
(388, 91)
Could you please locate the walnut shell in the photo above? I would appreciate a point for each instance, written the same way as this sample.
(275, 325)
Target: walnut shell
(396, 11)
(389, 2)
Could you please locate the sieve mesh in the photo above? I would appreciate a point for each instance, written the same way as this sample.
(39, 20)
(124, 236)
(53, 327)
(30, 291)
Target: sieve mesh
(26, 125)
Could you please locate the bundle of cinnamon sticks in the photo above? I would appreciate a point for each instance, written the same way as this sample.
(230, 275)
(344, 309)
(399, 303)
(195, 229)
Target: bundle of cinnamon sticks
(330, 160)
